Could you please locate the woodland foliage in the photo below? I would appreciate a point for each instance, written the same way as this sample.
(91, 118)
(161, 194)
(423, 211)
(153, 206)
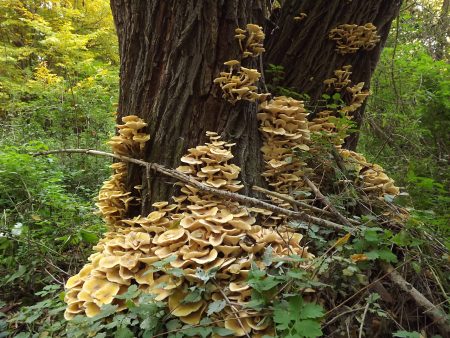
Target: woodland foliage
(58, 87)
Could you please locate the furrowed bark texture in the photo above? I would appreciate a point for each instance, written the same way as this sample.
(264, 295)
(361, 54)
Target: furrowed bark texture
(170, 52)
(308, 55)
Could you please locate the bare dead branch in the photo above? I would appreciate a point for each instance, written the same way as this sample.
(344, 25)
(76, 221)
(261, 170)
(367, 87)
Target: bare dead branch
(190, 180)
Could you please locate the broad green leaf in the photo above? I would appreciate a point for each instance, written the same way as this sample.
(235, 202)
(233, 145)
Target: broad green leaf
(308, 328)
(216, 306)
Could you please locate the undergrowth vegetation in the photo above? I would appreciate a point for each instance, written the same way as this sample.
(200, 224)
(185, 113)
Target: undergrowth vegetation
(58, 87)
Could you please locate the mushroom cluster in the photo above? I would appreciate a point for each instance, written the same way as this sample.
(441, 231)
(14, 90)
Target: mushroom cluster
(358, 96)
(341, 79)
(113, 199)
(239, 83)
(250, 40)
(324, 123)
(350, 37)
(130, 140)
(199, 231)
(284, 128)
(374, 180)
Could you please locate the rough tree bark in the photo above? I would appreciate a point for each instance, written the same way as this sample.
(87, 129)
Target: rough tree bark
(171, 51)
(308, 55)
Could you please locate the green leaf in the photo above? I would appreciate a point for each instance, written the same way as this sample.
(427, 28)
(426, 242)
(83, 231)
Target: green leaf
(216, 306)
(311, 310)
(221, 331)
(387, 255)
(19, 273)
(372, 255)
(267, 257)
(194, 296)
(88, 237)
(173, 324)
(124, 332)
(281, 318)
(308, 328)
(406, 334)
(131, 293)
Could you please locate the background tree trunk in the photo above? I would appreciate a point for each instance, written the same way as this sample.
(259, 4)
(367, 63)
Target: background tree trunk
(308, 55)
(171, 51)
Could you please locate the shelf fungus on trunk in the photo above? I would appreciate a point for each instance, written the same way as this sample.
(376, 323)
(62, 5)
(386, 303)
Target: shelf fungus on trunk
(284, 127)
(240, 83)
(350, 37)
(203, 232)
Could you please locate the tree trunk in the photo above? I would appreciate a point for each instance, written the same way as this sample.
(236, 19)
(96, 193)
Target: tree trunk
(308, 55)
(171, 51)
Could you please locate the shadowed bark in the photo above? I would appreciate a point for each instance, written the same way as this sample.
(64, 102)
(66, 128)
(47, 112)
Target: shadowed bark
(171, 51)
(308, 55)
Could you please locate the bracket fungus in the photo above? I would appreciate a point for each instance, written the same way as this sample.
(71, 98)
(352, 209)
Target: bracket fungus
(350, 37)
(284, 127)
(203, 232)
(239, 83)
(200, 231)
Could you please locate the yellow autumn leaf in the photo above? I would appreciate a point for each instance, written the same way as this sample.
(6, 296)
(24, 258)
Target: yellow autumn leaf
(359, 258)
(36, 217)
(342, 240)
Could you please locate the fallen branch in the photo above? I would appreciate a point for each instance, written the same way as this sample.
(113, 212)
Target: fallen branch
(298, 203)
(433, 311)
(321, 197)
(244, 200)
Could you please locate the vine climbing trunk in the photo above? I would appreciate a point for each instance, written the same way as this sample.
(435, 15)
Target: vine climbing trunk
(170, 53)
(307, 54)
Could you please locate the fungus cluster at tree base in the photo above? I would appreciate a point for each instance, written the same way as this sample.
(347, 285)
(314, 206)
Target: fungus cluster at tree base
(200, 232)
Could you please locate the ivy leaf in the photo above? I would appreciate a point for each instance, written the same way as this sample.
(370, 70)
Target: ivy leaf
(216, 306)
(308, 328)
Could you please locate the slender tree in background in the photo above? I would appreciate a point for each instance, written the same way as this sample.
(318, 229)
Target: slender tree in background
(171, 51)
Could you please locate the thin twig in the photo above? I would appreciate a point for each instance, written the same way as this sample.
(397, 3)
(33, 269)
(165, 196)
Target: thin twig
(332, 320)
(298, 203)
(233, 308)
(190, 180)
(325, 201)
(361, 327)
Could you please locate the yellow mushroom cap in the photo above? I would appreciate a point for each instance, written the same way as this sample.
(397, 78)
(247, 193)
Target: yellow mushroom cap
(170, 236)
(91, 309)
(180, 309)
